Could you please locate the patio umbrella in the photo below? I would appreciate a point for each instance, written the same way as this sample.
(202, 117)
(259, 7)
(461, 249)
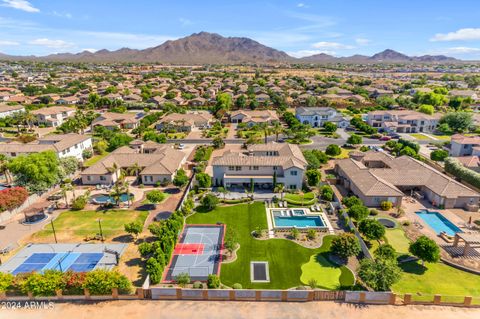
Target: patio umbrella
(470, 221)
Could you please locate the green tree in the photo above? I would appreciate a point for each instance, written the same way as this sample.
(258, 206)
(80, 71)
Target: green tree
(407, 150)
(213, 281)
(458, 121)
(218, 142)
(351, 201)
(345, 245)
(358, 212)
(438, 155)
(425, 249)
(354, 139)
(330, 127)
(372, 229)
(241, 102)
(379, 274)
(385, 251)
(181, 178)
(333, 150)
(154, 269)
(204, 180)
(209, 202)
(155, 196)
(134, 228)
(427, 109)
(313, 177)
(224, 102)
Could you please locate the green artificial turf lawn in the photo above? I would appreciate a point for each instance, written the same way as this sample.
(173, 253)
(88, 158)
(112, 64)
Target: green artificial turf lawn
(285, 257)
(396, 238)
(436, 278)
(298, 197)
(78, 224)
(94, 159)
(327, 274)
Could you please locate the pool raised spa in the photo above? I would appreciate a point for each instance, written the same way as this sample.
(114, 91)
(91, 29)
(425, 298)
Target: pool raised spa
(438, 222)
(299, 218)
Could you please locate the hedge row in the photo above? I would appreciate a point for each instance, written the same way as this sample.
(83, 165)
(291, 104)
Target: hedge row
(301, 203)
(235, 201)
(158, 253)
(454, 167)
(98, 282)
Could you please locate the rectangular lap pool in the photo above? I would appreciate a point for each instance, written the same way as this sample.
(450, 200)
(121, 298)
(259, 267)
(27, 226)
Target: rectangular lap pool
(297, 221)
(439, 223)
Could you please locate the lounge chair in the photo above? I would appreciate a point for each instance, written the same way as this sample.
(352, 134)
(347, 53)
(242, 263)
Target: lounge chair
(313, 208)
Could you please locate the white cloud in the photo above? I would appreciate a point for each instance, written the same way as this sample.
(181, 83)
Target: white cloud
(304, 53)
(332, 45)
(54, 44)
(302, 5)
(8, 43)
(23, 5)
(362, 41)
(461, 50)
(459, 35)
(185, 22)
(62, 14)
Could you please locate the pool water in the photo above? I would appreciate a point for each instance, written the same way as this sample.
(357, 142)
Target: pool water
(439, 223)
(104, 198)
(298, 221)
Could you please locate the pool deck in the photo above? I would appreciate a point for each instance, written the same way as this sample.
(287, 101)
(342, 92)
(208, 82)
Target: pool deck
(271, 227)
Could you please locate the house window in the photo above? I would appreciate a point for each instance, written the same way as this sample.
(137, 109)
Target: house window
(275, 168)
(231, 168)
(103, 178)
(293, 173)
(89, 178)
(255, 168)
(292, 186)
(238, 168)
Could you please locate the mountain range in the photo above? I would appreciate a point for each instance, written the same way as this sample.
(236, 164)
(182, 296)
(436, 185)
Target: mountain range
(212, 48)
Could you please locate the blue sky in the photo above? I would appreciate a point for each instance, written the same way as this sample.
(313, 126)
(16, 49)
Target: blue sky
(339, 27)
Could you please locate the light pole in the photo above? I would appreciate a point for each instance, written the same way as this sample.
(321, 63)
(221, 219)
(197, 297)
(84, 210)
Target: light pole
(54, 233)
(100, 227)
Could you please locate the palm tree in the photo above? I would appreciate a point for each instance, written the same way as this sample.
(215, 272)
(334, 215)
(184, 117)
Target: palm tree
(4, 169)
(135, 169)
(277, 129)
(113, 170)
(264, 126)
(69, 182)
(117, 191)
(29, 119)
(280, 189)
(64, 188)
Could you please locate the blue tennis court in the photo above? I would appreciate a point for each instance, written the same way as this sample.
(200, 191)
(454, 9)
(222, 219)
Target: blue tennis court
(64, 257)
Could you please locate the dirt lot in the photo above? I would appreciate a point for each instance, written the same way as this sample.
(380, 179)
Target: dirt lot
(212, 310)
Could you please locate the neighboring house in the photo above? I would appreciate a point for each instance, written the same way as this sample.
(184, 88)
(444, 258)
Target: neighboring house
(9, 110)
(68, 100)
(254, 117)
(376, 177)
(461, 145)
(185, 122)
(259, 164)
(403, 121)
(470, 162)
(63, 145)
(318, 116)
(111, 120)
(159, 166)
(53, 116)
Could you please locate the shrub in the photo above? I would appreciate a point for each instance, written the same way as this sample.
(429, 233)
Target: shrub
(454, 167)
(326, 193)
(6, 281)
(87, 154)
(333, 150)
(203, 153)
(386, 205)
(145, 249)
(385, 251)
(198, 285)
(313, 177)
(294, 233)
(237, 286)
(134, 228)
(351, 201)
(372, 229)
(438, 155)
(79, 203)
(379, 274)
(155, 196)
(312, 283)
(101, 282)
(345, 245)
(180, 179)
(354, 139)
(209, 202)
(373, 212)
(358, 212)
(182, 279)
(13, 197)
(45, 284)
(213, 281)
(204, 180)
(311, 234)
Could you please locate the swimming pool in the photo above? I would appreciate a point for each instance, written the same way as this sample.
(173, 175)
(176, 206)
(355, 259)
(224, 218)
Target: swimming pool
(298, 221)
(439, 223)
(105, 198)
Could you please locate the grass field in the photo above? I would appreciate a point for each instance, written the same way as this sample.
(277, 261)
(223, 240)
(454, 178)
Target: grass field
(396, 238)
(420, 136)
(74, 226)
(325, 273)
(343, 154)
(89, 162)
(285, 257)
(298, 197)
(436, 278)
